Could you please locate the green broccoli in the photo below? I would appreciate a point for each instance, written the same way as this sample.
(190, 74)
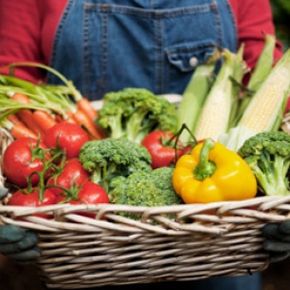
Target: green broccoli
(268, 154)
(151, 188)
(108, 158)
(132, 113)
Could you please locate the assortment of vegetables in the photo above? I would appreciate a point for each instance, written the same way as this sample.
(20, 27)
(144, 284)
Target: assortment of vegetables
(221, 143)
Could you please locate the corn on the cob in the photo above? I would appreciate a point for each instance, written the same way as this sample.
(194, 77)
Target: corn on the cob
(240, 69)
(194, 96)
(264, 64)
(265, 105)
(261, 71)
(215, 114)
(264, 112)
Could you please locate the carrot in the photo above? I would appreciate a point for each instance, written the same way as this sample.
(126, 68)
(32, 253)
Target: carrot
(83, 120)
(18, 129)
(44, 120)
(32, 119)
(86, 106)
(26, 116)
(13, 119)
(70, 117)
(21, 98)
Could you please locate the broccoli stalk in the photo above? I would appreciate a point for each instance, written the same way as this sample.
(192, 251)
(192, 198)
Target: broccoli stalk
(132, 113)
(108, 158)
(268, 154)
(116, 125)
(136, 128)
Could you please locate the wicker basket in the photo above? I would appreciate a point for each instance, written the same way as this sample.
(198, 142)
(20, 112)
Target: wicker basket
(183, 242)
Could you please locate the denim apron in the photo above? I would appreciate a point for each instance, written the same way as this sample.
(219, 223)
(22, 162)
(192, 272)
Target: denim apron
(106, 45)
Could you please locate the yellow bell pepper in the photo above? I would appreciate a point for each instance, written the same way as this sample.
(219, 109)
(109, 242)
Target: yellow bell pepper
(213, 173)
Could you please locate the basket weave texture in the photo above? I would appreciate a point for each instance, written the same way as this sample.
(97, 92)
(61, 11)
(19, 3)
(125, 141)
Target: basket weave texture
(184, 242)
(181, 242)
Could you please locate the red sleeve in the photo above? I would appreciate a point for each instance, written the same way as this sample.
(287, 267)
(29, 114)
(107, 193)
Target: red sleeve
(20, 35)
(254, 20)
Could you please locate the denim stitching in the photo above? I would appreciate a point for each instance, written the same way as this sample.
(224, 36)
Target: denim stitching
(162, 60)
(149, 13)
(104, 53)
(217, 20)
(159, 56)
(196, 47)
(86, 56)
(235, 25)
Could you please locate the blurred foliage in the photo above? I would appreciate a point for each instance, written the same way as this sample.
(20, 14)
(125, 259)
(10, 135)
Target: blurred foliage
(281, 14)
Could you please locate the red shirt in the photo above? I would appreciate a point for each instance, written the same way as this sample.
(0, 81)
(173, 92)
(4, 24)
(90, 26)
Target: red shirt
(27, 30)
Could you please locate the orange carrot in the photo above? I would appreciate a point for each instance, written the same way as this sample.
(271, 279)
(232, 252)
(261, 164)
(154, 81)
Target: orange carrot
(18, 129)
(33, 120)
(26, 116)
(83, 120)
(86, 106)
(70, 117)
(21, 98)
(44, 120)
(13, 119)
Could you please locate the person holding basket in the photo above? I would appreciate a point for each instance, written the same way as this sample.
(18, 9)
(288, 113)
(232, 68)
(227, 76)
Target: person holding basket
(107, 45)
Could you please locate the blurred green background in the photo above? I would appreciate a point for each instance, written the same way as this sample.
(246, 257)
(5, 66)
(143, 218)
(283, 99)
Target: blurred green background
(281, 14)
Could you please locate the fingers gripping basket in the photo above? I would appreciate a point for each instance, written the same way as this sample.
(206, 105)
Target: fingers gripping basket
(184, 242)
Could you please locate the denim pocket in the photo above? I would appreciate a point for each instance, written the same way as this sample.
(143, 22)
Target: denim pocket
(182, 59)
(185, 57)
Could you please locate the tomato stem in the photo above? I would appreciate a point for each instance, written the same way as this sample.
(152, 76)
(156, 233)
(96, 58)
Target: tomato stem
(47, 165)
(176, 138)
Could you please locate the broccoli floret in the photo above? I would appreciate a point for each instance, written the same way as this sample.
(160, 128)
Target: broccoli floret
(107, 158)
(268, 154)
(153, 188)
(132, 113)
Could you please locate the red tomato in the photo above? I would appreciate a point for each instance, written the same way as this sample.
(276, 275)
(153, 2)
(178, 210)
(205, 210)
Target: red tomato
(32, 199)
(73, 174)
(162, 154)
(21, 158)
(91, 193)
(67, 136)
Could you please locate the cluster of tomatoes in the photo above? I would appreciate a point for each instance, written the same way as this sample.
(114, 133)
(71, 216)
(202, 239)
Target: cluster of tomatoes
(47, 171)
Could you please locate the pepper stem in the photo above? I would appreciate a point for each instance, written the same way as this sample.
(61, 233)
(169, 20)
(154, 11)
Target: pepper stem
(205, 167)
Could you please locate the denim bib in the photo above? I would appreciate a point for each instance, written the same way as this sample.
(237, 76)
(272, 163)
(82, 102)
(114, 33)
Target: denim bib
(106, 45)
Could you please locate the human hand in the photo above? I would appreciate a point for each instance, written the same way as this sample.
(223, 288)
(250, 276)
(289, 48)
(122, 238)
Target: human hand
(19, 244)
(277, 240)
